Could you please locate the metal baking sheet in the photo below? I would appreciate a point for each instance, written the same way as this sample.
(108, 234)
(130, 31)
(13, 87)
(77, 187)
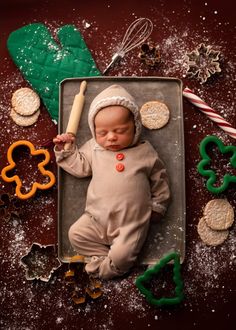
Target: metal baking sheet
(169, 234)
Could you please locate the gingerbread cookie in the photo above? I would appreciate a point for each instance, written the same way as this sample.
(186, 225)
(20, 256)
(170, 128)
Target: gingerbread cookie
(209, 236)
(24, 120)
(25, 101)
(154, 114)
(219, 214)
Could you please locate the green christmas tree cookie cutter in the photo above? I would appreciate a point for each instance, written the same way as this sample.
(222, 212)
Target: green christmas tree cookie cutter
(151, 272)
(206, 159)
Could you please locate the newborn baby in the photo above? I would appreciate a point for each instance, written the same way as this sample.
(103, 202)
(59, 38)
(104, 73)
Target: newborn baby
(129, 184)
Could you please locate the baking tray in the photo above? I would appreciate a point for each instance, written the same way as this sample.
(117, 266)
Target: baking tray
(169, 234)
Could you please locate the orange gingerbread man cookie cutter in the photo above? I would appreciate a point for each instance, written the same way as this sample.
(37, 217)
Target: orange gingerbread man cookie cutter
(41, 168)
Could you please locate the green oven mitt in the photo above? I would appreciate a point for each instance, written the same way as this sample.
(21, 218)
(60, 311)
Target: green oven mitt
(45, 63)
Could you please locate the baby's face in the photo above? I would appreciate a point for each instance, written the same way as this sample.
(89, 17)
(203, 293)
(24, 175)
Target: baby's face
(114, 128)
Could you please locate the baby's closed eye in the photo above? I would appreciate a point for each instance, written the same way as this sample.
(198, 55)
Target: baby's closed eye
(120, 130)
(101, 133)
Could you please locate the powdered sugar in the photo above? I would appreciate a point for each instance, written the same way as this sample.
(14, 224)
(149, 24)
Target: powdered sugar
(207, 271)
(208, 266)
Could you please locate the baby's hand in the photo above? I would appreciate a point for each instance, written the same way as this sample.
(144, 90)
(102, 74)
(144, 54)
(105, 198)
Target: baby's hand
(62, 139)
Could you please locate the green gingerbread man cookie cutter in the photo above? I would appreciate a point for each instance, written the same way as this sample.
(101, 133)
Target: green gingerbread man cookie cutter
(206, 159)
(153, 271)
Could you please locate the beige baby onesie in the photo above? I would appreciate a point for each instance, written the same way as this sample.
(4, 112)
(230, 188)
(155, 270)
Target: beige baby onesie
(125, 187)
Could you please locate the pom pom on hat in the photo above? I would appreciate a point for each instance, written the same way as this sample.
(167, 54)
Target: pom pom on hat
(115, 95)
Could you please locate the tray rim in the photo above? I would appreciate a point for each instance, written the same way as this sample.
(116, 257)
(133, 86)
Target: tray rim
(125, 78)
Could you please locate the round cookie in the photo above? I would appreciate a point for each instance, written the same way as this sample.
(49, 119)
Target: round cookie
(154, 114)
(24, 120)
(218, 214)
(25, 101)
(209, 236)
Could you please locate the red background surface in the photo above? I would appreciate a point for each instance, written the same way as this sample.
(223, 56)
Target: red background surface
(209, 273)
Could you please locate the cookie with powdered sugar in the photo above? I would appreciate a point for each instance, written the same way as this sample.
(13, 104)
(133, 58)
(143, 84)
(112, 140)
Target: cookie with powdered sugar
(154, 114)
(24, 120)
(219, 214)
(210, 236)
(25, 101)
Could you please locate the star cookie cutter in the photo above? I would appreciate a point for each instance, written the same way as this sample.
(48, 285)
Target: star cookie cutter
(40, 262)
(41, 168)
(151, 272)
(203, 63)
(206, 159)
(82, 284)
(150, 54)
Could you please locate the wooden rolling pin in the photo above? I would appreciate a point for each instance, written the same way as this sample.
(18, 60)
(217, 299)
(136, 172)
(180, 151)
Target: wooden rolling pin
(76, 111)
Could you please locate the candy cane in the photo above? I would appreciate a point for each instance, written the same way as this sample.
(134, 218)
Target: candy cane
(211, 113)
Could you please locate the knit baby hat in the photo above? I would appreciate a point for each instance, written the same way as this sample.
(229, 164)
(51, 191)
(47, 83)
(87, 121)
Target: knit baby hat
(115, 95)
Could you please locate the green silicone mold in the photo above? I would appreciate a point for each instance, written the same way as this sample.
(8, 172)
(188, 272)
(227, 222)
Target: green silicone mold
(150, 273)
(205, 162)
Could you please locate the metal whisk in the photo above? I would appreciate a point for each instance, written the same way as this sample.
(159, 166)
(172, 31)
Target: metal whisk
(136, 34)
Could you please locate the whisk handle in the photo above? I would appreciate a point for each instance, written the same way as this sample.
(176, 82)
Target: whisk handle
(115, 58)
